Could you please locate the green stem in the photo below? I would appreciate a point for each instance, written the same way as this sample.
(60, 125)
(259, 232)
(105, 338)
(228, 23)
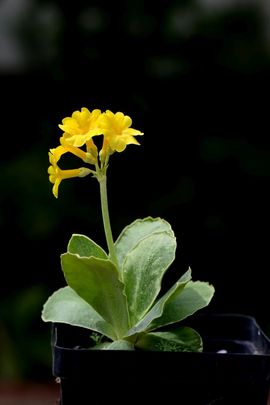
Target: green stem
(106, 218)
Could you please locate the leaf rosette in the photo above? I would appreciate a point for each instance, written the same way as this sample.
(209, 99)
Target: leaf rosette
(123, 301)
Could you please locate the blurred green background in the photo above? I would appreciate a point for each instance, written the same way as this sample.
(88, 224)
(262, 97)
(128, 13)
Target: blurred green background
(194, 76)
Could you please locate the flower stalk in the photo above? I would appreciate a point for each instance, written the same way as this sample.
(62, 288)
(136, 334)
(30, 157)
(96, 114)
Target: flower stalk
(102, 179)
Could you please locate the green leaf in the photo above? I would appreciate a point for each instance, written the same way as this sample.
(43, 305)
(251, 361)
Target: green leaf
(120, 344)
(85, 247)
(143, 270)
(183, 303)
(96, 281)
(136, 231)
(182, 339)
(65, 306)
(157, 310)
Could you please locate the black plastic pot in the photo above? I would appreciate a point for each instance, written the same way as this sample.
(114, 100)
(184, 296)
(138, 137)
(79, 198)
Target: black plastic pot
(234, 367)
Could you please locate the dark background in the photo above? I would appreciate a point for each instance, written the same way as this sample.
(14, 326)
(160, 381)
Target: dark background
(194, 77)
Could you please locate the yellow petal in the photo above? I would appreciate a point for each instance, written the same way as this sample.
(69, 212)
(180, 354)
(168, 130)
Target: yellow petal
(55, 187)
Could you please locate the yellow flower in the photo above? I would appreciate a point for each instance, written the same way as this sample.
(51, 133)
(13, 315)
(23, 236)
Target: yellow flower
(117, 132)
(81, 127)
(56, 153)
(56, 175)
(79, 130)
(88, 157)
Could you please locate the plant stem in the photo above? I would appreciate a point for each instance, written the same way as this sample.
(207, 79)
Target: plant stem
(106, 218)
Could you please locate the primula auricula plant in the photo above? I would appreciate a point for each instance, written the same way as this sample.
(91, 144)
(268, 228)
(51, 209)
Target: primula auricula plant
(116, 294)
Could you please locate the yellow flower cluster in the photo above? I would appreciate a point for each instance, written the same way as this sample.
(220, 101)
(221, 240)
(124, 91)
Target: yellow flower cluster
(79, 131)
